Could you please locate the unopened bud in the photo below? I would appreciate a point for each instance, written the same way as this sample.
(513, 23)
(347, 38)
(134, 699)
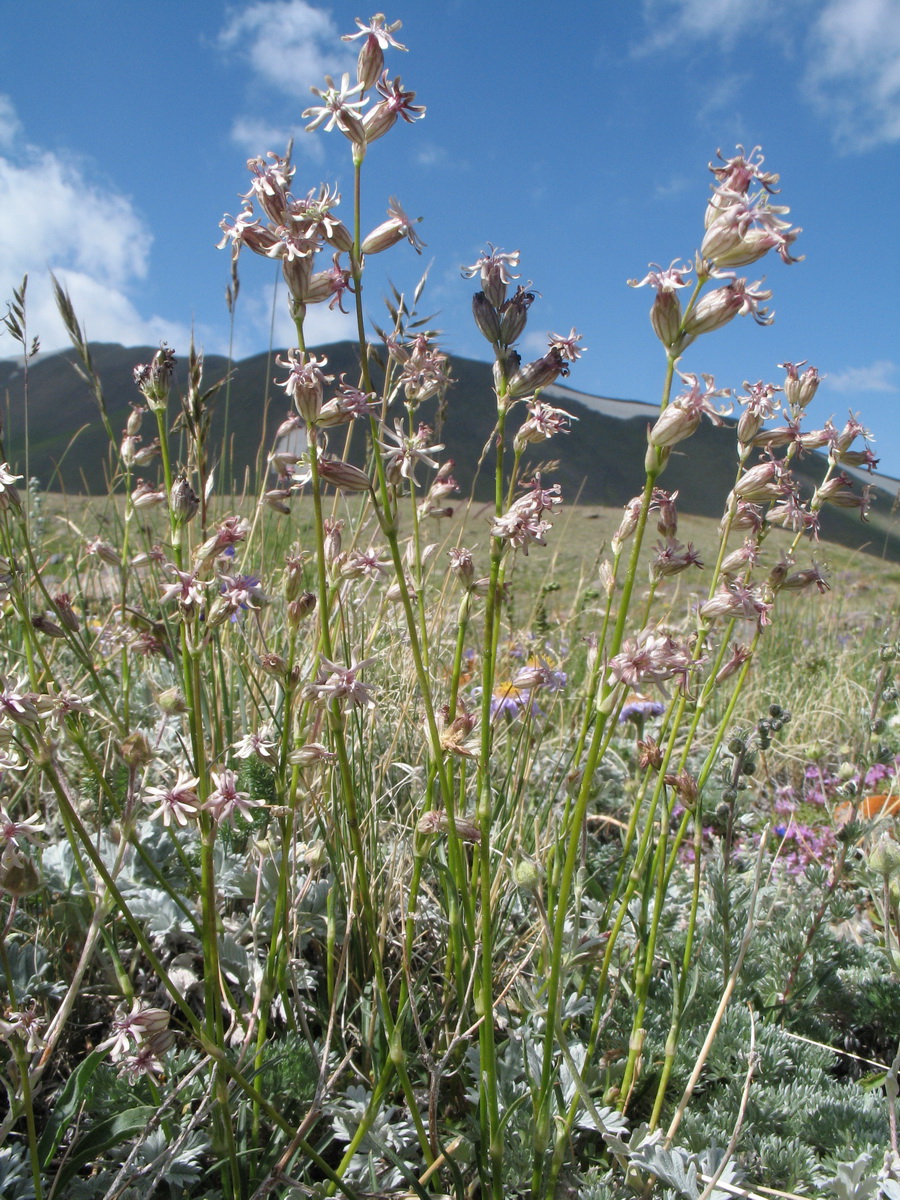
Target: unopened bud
(344, 476)
(514, 315)
(66, 613)
(526, 875)
(537, 374)
(486, 317)
(884, 858)
(135, 750)
(172, 701)
(370, 63)
(298, 610)
(44, 625)
(665, 316)
(19, 877)
(274, 664)
(183, 502)
(155, 378)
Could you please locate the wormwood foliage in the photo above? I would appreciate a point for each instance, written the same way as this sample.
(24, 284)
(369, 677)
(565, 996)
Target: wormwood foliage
(341, 851)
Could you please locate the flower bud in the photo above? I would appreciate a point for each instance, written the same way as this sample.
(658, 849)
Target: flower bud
(537, 374)
(19, 877)
(506, 366)
(66, 613)
(44, 625)
(276, 500)
(486, 317)
(135, 417)
(183, 502)
(799, 389)
(297, 271)
(514, 315)
(274, 664)
(155, 378)
(135, 750)
(309, 755)
(665, 317)
(526, 875)
(370, 63)
(884, 857)
(298, 610)
(344, 476)
(172, 702)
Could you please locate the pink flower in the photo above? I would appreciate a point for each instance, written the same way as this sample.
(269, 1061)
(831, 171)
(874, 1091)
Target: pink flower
(738, 173)
(226, 798)
(338, 109)
(567, 346)
(682, 417)
(799, 389)
(649, 658)
(400, 461)
(496, 274)
(313, 220)
(739, 602)
(364, 564)
(543, 422)
(377, 29)
(305, 382)
(187, 589)
(256, 745)
(393, 104)
(395, 229)
(744, 230)
(664, 280)
(13, 833)
(721, 305)
(178, 803)
(271, 186)
(337, 683)
(672, 557)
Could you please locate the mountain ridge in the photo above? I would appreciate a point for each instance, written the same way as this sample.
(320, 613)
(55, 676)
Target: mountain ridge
(599, 462)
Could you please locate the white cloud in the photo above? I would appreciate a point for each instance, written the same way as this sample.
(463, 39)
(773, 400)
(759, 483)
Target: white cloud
(289, 43)
(255, 326)
(851, 49)
(290, 46)
(56, 218)
(256, 136)
(853, 74)
(10, 125)
(878, 377)
(725, 21)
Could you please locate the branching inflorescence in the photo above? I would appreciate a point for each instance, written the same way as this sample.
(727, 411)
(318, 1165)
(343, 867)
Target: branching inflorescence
(339, 829)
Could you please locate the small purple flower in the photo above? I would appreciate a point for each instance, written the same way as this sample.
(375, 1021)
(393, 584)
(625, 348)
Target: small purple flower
(638, 707)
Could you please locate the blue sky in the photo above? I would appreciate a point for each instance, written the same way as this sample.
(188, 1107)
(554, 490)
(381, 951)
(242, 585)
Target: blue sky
(576, 133)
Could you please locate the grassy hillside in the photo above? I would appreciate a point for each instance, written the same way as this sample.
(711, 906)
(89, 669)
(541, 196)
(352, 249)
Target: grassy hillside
(600, 462)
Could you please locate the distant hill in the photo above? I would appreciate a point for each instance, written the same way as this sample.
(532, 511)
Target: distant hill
(599, 462)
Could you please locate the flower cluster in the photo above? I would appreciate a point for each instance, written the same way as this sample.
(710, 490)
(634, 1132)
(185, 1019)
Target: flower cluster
(741, 228)
(523, 524)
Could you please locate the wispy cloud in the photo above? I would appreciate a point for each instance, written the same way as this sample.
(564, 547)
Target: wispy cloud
(10, 125)
(57, 218)
(321, 326)
(853, 72)
(850, 48)
(879, 376)
(256, 136)
(290, 46)
(671, 22)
